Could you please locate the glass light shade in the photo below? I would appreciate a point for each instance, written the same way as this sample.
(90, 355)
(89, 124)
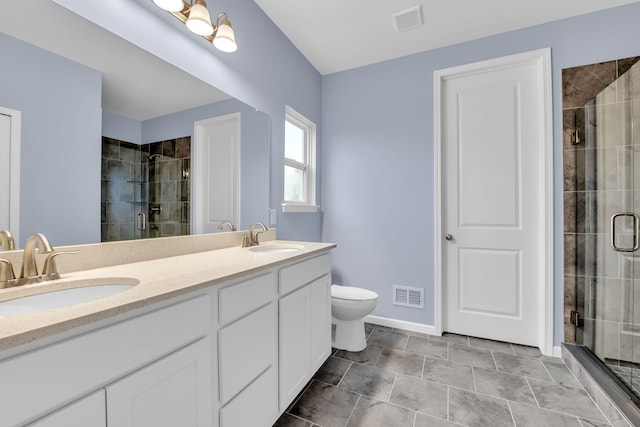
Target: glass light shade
(170, 5)
(199, 21)
(224, 39)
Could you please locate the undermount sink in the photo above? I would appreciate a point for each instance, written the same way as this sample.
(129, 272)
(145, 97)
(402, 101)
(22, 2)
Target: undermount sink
(51, 296)
(275, 248)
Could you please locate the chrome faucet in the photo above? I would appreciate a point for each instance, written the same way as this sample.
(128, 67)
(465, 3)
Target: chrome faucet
(6, 240)
(29, 272)
(228, 224)
(253, 239)
(29, 266)
(7, 276)
(50, 269)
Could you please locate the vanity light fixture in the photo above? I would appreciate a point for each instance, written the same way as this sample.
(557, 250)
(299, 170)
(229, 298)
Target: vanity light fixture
(195, 15)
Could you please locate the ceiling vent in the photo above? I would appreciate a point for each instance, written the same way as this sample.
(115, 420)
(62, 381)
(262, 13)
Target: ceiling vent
(408, 19)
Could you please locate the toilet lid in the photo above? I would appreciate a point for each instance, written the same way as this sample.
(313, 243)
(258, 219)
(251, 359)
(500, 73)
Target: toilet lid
(352, 293)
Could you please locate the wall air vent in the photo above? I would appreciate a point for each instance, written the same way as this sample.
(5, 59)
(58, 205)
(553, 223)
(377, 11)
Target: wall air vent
(408, 19)
(408, 297)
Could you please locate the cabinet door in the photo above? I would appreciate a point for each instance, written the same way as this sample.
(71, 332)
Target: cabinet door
(294, 348)
(89, 411)
(255, 406)
(320, 318)
(174, 391)
(246, 349)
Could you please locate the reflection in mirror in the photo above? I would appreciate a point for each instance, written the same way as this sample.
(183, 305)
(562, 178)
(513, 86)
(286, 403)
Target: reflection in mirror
(6, 241)
(95, 110)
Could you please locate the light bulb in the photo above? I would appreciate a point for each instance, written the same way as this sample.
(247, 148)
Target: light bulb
(170, 5)
(199, 21)
(224, 39)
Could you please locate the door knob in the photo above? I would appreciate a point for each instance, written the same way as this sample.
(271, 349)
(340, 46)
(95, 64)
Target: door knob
(448, 237)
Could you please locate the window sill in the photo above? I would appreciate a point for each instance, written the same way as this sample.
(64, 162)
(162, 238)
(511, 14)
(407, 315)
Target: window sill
(294, 207)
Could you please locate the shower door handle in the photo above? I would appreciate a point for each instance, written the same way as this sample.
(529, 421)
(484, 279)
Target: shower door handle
(142, 221)
(636, 234)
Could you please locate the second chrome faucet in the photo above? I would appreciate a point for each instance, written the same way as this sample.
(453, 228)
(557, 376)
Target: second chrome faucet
(29, 271)
(253, 238)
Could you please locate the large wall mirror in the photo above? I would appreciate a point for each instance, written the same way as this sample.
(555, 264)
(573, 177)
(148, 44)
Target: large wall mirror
(118, 144)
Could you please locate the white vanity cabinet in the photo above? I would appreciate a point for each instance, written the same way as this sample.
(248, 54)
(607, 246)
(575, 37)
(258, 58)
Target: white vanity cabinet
(49, 384)
(173, 391)
(234, 354)
(304, 324)
(89, 411)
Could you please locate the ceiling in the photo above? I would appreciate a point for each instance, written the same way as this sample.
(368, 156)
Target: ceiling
(337, 35)
(334, 35)
(131, 76)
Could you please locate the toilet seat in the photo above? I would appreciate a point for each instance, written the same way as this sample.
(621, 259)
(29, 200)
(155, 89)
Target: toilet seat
(352, 293)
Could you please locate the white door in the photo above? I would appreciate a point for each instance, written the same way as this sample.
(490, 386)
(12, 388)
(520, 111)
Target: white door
(216, 173)
(493, 133)
(10, 171)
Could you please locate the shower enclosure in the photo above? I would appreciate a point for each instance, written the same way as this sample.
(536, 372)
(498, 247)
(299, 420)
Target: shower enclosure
(145, 189)
(602, 207)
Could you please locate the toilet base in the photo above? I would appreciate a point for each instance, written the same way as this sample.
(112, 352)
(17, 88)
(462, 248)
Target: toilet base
(349, 335)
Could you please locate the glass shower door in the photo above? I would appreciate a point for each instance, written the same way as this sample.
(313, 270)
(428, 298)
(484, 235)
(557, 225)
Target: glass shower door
(606, 247)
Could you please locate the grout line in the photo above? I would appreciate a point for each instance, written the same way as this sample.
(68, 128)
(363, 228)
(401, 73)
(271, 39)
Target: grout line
(375, 364)
(531, 390)
(344, 375)
(473, 376)
(300, 418)
(448, 403)
(513, 419)
(553, 380)
(395, 378)
(495, 364)
(353, 409)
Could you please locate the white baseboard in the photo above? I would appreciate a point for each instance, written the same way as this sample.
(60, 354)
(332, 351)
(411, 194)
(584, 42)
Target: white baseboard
(401, 324)
(422, 328)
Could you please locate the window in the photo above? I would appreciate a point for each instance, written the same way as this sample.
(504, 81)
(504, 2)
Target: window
(299, 163)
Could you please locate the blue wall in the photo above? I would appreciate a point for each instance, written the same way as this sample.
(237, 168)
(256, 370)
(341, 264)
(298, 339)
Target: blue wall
(378, 153)
(376, 127)
(60, 145)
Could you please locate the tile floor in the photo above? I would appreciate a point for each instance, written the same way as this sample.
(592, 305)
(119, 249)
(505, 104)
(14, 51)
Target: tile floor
(415, 380)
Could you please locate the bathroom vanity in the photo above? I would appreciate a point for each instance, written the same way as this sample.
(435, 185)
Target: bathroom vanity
(224, 337)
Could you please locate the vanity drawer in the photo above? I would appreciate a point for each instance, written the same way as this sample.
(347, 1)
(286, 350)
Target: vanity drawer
(298, 275)
(241, 298)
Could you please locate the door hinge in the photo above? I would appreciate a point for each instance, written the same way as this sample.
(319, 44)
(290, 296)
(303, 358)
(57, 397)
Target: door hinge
(574, 318)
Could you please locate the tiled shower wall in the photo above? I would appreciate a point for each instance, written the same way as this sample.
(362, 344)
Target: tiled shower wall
(153, 179)
(600, 104)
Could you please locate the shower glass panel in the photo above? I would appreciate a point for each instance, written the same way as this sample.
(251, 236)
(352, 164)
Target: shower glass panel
(145, 189)
(607, 206)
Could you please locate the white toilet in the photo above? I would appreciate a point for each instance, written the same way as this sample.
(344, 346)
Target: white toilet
(349, 305)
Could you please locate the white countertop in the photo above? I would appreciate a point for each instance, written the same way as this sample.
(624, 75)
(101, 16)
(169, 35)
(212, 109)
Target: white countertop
(158, 280)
